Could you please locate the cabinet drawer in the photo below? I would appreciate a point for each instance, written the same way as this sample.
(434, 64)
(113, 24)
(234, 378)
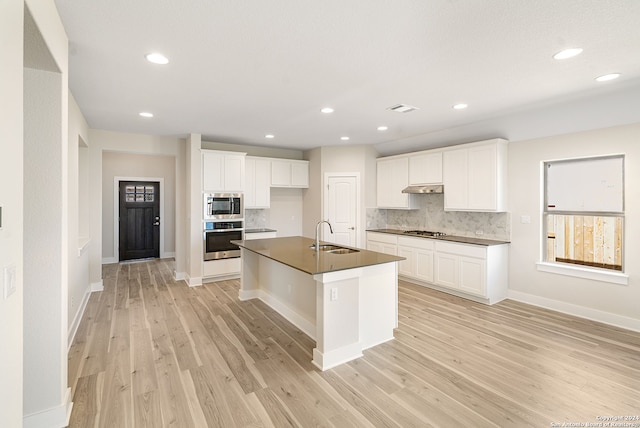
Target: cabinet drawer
(382, 237)
(424, 243)
(462, 249)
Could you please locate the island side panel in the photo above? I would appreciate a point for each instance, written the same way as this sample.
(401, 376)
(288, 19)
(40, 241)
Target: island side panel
(249, 275)
(378, 304)
(337, 319)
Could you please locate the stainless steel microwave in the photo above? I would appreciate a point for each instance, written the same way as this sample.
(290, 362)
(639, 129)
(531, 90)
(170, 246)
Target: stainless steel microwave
(223, 206)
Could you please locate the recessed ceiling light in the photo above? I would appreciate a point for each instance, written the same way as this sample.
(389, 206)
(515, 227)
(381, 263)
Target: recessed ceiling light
(568, 53)
(460, 106)
(157, 58)
(327, 110)
(344, 138)
(382, 128)
(269, 136)
(607, 77)
(146, 114)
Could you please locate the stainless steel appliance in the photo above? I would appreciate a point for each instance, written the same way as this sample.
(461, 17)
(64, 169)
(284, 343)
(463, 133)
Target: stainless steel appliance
(424, 233)
(218, 236)
(223, 206)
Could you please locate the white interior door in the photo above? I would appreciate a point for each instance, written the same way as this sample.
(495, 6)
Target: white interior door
(341, 209)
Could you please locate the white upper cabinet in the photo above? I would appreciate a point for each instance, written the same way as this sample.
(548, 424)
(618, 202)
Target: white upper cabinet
(289, 173)
(393, 176)
(257, 192)
(425, 168)
(222, 171)
(475, 177)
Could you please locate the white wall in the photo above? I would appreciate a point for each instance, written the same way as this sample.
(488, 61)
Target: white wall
(616, 304)
(116, 164)
(285, 214)
(46, 400)
(79, 214)
(11, 199)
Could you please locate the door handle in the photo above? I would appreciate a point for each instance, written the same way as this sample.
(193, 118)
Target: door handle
(157, 223)
(352, 228)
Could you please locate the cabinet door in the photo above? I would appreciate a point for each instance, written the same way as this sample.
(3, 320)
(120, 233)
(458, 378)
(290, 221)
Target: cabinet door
(446, 270)
(300, 174)
(262, 183)
(250, 183)
(423, 266)
(374, 246)
(390, 249)
(406, 267)
(212, 172)
(425, 169)
(482, 178)
(392, 177)
(233, 173)
(472, 274)
(455, 179)
(280, 173)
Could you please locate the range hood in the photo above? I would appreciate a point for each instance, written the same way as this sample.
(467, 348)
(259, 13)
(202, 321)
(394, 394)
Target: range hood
(430, 188)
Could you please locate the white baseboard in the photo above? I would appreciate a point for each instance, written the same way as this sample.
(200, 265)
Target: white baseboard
(54, 417)
(306, 326)
(109, 260)
(97, 286)
(179, 276)
(578, 311)
(168, 254)
(193, 282)
(78, 317)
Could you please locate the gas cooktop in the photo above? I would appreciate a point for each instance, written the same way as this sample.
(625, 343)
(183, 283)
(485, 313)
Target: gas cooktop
(424, 233)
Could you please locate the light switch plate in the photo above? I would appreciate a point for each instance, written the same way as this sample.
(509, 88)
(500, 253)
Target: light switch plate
(9, 280)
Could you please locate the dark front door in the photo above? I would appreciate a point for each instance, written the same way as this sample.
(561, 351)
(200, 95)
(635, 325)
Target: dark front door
(139, 220)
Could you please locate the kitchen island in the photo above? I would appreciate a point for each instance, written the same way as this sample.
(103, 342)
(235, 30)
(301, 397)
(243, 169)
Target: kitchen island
(346, 300)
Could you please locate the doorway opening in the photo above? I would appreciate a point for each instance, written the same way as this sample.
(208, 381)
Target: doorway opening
(139, 220)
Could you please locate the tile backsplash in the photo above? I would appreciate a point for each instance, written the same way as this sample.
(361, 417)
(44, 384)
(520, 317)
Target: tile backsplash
(254, 219)
(431, 216)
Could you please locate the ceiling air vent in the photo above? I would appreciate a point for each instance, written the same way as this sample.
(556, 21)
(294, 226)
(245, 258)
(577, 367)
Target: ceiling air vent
(402, 108)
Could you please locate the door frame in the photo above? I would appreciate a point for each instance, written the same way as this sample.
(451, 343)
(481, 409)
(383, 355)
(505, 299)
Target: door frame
(325, 201)
(116, 213)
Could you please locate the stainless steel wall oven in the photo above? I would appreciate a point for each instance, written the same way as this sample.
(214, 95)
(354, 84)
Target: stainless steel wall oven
(218, 236)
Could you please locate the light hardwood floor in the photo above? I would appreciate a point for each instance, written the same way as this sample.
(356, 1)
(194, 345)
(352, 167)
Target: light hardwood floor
(153, 352)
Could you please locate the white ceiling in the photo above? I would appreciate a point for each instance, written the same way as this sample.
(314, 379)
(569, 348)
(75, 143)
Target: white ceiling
(241, 69)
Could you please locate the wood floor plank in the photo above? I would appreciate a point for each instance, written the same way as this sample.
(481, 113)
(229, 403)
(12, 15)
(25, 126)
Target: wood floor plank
(151, 351)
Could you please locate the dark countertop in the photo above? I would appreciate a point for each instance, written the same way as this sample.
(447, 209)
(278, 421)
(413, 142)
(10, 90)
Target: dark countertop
(259, 230)
(450, 238)
(295, 251)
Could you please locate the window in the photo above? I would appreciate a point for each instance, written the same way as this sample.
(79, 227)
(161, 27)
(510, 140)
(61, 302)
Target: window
(584, 213)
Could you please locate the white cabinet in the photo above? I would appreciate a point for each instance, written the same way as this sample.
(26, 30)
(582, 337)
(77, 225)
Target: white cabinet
(289, 173)
(222, 171)
(382, 243)
(425, 168)
(461, 267)
(474, 177)
(257, 193)
(259, 235)
(393, 176)
(419, 258)
(473, 271)
(224, 268)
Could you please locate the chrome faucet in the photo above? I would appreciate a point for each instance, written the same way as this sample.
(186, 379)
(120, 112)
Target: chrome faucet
(317, 245)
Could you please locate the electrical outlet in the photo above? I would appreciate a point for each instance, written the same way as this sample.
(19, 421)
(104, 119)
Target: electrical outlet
(334, 294)
(479, 232)
(525, 219)
(9, 280)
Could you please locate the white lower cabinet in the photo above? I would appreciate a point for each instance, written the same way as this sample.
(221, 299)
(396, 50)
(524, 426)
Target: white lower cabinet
(382, 243)
(473, 271)
(221, 268)
(419, 258)
(259, 235)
